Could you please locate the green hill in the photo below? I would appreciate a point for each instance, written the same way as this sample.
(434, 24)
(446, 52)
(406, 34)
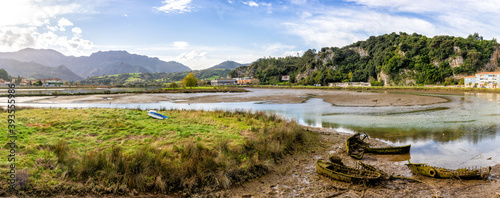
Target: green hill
(396, 59)
(156, 78)
(227, 65)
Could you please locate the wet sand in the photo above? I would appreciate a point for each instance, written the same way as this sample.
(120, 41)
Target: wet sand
(338, 98)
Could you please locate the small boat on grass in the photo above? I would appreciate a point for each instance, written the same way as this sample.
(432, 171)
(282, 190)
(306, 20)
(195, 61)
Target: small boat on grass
(356, 147)
(156, 115)
(437, 172)
(343, 173)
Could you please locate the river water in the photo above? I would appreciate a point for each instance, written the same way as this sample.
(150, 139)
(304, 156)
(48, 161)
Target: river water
(463, 132)
(50, 90)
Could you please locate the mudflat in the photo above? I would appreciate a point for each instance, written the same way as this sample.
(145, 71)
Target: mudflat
(280, 96)
(296, 176)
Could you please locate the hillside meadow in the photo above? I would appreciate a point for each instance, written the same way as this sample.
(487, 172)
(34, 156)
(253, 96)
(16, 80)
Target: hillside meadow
(125, 152)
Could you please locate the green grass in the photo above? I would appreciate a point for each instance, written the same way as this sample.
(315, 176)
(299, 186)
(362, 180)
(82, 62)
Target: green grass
(123, 151)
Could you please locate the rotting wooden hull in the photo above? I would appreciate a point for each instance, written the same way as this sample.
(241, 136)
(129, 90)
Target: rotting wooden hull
(389, 150)
(356, 148)
(437, 172)
(344, 173)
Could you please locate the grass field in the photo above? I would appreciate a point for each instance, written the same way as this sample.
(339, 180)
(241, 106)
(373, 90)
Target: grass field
(100, 151)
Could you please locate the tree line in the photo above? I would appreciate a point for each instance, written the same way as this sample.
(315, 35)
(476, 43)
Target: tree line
(402, 57)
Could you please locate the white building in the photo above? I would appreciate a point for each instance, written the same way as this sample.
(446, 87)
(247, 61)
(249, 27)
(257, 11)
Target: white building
(220, 82)
(483, 79)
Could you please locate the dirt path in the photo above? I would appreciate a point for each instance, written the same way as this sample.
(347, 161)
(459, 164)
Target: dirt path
(296, 177)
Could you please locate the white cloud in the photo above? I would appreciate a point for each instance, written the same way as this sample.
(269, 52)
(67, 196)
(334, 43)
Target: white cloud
(192, 55)
(343, 27)
(76, 31)
(251, 3)
(33, 12)
(171, 6)
(293, 53)
(62, 23)
(277, 47)
(39, 24)
(460, 18)
(181, 44)
(298, 2)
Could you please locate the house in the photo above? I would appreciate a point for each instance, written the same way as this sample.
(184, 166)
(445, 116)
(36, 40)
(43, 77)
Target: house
(470, 81)
(350, 84)
(285, 78)
(21, 80)
(53, 82)
(246, 81)
(220, 82)
(483, 79)
(2, 82)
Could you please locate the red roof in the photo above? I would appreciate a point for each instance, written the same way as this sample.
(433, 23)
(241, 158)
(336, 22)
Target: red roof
(489, 73)
(470, 77)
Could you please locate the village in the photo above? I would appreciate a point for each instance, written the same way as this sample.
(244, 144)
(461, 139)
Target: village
(21, 81)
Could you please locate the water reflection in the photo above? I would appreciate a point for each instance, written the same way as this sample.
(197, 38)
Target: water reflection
(462, 132)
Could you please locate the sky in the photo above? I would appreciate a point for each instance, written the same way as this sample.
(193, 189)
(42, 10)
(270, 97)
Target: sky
(203, 33)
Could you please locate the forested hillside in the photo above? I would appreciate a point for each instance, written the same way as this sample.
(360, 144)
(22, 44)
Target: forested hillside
(157, 78)
(395, 59)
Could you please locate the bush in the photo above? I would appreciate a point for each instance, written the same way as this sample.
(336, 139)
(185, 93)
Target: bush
(377, 83)
(173, 85)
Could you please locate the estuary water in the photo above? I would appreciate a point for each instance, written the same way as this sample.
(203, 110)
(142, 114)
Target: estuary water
(463, 132)
(67, 90)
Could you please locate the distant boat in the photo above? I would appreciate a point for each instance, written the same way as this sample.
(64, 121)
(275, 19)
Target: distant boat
(156, 115)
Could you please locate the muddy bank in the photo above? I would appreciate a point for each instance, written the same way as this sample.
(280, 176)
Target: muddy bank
(296, 177)
(338, 98)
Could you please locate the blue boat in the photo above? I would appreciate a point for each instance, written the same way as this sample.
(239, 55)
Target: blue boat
(156, 115)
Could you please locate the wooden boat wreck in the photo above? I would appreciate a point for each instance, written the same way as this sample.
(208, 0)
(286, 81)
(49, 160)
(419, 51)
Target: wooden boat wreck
(389, 150)
(343, 173)
(356, 147)
(437, 172)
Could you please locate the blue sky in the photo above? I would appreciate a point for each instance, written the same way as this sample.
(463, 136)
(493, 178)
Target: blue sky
(201, 34)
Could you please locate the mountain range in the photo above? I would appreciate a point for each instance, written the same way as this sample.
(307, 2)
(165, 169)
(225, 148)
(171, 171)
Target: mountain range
(33, 63)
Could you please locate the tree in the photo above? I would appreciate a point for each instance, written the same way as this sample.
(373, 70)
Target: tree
(38, 83)
(4, 75)
(190, 80)
(461, 82)
(172, 85)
